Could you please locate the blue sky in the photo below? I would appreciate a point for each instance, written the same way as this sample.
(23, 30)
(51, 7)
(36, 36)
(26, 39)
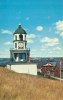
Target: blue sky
(42, 20)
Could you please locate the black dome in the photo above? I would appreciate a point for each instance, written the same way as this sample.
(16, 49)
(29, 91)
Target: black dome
(20, 30)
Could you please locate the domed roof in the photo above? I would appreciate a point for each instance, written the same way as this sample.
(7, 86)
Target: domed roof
(20, 30)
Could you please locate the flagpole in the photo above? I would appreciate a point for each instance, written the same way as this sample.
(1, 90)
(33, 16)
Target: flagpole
(60, 71)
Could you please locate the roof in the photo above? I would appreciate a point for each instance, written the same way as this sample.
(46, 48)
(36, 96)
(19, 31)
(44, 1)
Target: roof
(20, 30)
(48, 64)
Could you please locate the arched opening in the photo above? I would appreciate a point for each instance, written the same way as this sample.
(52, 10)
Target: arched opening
(21, 37)
(15, 45)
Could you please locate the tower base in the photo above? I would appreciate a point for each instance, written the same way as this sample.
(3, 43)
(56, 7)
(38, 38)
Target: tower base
(27, 68)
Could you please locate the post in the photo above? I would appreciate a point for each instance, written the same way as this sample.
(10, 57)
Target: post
(29, 59)
(60, 71)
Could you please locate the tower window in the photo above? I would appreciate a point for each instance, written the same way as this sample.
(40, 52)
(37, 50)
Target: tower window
(15, 45)
(21, 37)
(15, 37)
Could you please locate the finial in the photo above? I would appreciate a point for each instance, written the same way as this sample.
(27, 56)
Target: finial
(19, 26)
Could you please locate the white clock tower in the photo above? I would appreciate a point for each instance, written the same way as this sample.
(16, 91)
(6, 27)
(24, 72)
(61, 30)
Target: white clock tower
(20, 53)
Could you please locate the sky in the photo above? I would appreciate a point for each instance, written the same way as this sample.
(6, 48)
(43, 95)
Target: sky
(41, 19)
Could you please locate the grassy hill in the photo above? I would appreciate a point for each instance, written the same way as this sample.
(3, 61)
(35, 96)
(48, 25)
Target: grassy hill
(15, 86)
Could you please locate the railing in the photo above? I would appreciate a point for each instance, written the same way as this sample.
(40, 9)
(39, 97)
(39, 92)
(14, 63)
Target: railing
(19, 49)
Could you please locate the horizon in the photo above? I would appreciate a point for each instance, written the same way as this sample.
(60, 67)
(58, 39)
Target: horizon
(34, 57)
(41, 19)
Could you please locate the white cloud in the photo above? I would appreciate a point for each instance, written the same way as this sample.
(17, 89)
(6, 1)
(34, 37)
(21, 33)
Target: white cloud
(8, 43)
(57, 48)
(6, 31)
(27, 18)
(50, 52)
(1, 53)
(4, 54)
(39, 28)
(31, 35)
(61, 34)
(59, 25)
(42, 49)
(30, 41)
(50, 41)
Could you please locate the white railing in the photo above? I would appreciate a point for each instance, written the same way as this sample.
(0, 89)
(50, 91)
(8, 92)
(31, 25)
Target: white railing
(19, 49)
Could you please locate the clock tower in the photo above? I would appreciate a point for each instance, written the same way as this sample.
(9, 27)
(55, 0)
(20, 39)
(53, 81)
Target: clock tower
(20, 53)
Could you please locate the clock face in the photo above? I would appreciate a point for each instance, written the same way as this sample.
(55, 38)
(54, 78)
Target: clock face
(20, 45)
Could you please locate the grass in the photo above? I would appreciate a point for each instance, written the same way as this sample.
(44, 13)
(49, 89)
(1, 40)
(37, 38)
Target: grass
(15, 86)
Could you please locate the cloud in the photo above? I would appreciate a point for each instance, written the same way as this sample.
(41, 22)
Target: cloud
(50, 41)
(1, 53)
(61, 34)
(6, 31)
(31, 36)
(50, 52)
(4, 54)
(42, 49)
(59, 25)
(30, 41)
(8, 43)
(39, 28)
(27, 18)
(57, 48)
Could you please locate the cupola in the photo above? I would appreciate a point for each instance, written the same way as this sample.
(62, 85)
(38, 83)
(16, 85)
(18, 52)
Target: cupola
(20, 30)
